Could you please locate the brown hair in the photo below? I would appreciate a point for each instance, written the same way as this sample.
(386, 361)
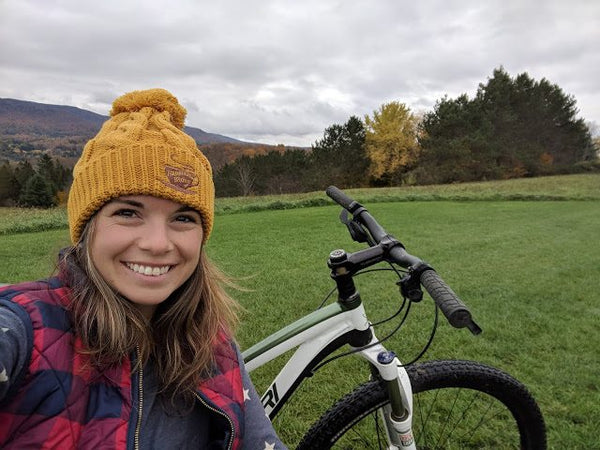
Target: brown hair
(180, 337)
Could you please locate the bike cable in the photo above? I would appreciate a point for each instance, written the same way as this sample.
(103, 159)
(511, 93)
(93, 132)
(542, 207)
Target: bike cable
(431, 336)
(379, 341)
(362, 272)
(392, 333)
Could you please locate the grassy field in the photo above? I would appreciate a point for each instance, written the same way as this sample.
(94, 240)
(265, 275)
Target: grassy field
(566, 187)
(528, 267)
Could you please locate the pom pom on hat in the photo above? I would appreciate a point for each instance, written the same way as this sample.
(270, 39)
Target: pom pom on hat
(141, 150)
(157, 99)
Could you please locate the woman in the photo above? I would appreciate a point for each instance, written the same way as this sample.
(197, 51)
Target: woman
(130, 345)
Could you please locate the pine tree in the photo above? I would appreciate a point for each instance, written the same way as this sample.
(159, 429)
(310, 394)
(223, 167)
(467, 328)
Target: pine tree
(37, 193)
(23, 173)
(9, 192)
(512, 128)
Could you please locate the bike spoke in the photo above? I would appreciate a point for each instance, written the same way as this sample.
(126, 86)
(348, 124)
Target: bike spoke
(465, 411)
(466, 414)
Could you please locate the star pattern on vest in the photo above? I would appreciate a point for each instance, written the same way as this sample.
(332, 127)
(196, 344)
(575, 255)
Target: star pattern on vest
(3, 375)
(246, 394)
(269, 446)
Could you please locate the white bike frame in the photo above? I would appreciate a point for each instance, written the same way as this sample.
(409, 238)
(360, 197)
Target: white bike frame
(312, 334)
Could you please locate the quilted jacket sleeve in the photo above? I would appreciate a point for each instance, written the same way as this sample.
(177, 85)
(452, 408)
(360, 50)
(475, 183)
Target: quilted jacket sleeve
(13, 349)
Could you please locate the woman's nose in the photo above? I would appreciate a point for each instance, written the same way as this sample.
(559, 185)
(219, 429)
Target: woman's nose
(156, 239)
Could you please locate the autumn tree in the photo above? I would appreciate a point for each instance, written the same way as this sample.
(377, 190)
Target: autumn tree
(391, 142)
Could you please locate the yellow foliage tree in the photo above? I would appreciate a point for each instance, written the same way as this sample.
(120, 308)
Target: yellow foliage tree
(391, 141)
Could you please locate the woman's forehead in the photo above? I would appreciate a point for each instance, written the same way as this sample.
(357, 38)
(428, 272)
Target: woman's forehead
(152, 202)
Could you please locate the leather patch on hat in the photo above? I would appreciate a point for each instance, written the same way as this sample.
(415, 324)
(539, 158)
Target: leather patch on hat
(180, 177)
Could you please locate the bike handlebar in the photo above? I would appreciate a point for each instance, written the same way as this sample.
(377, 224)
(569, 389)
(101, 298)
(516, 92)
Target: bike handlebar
(453, 308)
(341, 198)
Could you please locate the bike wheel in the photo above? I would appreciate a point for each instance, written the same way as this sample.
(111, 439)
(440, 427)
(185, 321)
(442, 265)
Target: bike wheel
(456, 404)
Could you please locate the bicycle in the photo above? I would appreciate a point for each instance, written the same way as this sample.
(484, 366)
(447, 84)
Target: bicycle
(435, 404)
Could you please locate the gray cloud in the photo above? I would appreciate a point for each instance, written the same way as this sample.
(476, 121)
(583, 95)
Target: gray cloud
(282, 71)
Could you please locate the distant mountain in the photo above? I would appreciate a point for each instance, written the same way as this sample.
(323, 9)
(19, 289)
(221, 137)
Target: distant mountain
(20, 117)
(30, 128)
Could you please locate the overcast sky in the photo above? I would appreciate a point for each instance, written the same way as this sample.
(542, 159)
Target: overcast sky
(280, 72)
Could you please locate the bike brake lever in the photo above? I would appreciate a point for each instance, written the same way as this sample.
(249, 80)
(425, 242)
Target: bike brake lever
(356, 230)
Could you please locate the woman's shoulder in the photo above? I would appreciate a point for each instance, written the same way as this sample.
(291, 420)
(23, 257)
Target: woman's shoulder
(47, 290)
(45, 300)
(225, 346)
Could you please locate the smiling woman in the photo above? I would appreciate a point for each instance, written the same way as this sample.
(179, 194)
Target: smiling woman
(134, 335)
(145, 248)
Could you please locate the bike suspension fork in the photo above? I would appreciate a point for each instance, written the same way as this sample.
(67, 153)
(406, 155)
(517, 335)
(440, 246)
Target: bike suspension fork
(397, 416)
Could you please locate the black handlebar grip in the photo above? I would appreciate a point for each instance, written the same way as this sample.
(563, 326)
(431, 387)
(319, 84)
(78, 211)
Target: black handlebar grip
(341, 199)
(454, 309)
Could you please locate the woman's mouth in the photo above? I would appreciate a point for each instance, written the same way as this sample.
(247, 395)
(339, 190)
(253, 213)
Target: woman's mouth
(153, 271)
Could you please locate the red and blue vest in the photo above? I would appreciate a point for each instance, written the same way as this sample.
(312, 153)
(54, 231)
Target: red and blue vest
(61, 401)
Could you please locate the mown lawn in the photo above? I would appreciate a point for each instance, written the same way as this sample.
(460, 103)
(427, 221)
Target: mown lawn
(529, 270)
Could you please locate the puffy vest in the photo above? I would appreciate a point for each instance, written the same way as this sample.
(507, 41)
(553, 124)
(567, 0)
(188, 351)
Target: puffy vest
(60, 401)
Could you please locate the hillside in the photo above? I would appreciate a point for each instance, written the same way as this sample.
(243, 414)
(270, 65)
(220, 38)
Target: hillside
(28, 129)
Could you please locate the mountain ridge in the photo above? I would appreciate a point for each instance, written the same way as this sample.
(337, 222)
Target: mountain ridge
(28, 127)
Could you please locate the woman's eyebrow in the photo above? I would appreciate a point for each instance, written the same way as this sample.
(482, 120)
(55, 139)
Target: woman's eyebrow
(127, 202)
(183, 208)
(186, 208)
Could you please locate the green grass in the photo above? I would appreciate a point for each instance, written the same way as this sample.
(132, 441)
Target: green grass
(25, 220)
(565, 187)
(529, 270)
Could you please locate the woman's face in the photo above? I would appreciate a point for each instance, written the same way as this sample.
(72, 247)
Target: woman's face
(146, 247)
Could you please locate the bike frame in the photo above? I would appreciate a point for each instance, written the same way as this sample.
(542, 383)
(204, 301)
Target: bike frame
(317, 335)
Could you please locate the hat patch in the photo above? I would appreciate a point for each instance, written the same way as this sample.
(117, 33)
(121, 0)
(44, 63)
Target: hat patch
(182, 179)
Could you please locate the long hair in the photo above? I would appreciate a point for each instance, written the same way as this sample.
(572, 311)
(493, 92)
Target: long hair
(180, 337)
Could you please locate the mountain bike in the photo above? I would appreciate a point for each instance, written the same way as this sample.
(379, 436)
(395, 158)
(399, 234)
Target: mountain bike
(430, 405)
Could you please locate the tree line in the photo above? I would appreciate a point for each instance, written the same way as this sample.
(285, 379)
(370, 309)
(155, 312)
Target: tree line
(42, 186)
(513, 127)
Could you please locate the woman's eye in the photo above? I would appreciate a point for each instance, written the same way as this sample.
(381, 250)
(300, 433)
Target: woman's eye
(125, 213)
(186, 219)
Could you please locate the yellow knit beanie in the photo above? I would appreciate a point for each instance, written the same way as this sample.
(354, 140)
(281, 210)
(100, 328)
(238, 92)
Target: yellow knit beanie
(141, 150)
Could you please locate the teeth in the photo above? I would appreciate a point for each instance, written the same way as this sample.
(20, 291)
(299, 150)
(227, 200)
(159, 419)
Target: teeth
(147, 270)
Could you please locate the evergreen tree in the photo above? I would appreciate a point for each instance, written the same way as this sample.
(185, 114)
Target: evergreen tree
(49, 171)
(23, 173)
(340, 158)
(512, 128)
(37, 193)
(9, 192)
(454, 143)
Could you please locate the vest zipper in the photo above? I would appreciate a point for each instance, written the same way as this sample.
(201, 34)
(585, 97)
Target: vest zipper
(138, 425)
(222, 413)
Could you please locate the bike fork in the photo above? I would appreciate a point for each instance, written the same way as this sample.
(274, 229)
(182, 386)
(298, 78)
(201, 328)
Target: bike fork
(397, 416)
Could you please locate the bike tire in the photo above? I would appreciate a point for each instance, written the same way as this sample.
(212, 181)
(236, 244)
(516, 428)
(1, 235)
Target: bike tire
(446, 397)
